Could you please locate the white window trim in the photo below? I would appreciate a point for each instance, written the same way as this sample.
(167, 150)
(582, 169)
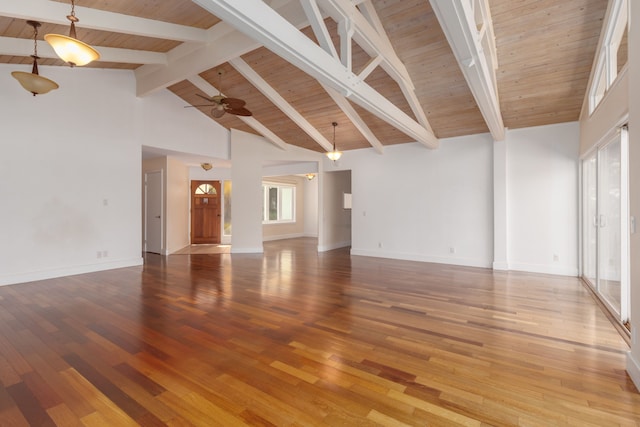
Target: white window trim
(606, 66)
(265, 203)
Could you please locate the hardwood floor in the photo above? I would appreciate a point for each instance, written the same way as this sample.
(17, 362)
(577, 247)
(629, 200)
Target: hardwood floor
(299, 338)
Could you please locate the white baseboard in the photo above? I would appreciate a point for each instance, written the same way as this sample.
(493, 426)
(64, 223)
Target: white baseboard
(467, 262)
(256, 250)
(282, 237)
(633, 369)
(13, 279)
(499, 265)
(338, 245)
(557, 270)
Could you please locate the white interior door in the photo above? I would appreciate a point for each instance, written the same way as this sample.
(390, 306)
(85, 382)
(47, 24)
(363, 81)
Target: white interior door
(153, 223)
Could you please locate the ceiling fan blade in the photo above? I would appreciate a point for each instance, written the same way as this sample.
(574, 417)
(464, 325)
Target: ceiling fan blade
(239, 111)
(234, 103)
(205, 97)
(199, 105)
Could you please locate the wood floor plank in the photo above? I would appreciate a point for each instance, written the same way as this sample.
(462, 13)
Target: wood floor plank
(296, 337)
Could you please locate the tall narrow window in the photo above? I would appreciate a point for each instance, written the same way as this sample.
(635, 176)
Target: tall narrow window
(226, 192)
(612, 54)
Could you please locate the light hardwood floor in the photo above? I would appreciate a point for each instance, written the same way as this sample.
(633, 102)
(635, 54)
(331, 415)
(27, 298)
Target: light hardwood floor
(299, 338)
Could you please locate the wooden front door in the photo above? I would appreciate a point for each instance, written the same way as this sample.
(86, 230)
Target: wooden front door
(205, 212)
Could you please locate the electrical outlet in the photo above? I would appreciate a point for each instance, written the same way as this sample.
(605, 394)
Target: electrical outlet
(99, 254)
(556, 258)
(105, 254)
(380, 244)
(452, 250)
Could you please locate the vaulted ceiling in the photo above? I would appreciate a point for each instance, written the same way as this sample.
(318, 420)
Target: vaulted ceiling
(387, 71)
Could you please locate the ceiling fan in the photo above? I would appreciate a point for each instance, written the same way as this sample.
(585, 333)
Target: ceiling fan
(221, 104)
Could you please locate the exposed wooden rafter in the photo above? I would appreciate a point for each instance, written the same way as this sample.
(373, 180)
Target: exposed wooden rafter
(459, 22)
(259, 21)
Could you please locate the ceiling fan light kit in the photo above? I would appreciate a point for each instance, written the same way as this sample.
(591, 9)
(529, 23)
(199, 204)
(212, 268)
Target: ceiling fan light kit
(33, 81)
(69, 48)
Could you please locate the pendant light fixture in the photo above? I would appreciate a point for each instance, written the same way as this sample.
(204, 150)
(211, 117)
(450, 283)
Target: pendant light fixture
(69, 48)
(334, 154)
(33, 81)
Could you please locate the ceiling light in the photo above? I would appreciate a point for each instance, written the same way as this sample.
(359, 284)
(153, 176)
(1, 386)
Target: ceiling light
(310, 176)
(334, 154)
(69, 48)
(34, 82)
(206, 166)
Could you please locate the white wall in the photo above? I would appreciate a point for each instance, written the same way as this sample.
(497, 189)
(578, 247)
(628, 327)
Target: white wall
(71, 165)
(438, 205)
(163, 122)
(178, 196)
(420, 204)
(542, 199)
(610, 113)
(70, 175)
(249, 153)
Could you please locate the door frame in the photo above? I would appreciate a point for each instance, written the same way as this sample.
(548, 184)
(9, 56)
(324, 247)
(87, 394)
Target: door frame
(219, 189)
(146, 209)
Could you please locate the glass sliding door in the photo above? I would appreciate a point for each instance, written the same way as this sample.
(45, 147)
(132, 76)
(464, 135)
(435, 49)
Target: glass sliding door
(605, 218)
(609, 224)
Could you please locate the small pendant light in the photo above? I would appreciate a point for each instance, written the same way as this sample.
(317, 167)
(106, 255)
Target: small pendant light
(334, 154)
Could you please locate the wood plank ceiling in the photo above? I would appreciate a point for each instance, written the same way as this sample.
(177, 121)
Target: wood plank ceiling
(544, 49)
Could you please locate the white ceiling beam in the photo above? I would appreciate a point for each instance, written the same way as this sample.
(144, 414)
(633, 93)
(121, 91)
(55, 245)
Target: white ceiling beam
(458, 22)
(256, 19)
(367, 37)
(371, 36)
(355, 118)
(324, 39)
(24, 47)
(56, 12)
(267, 90)
(250, 121)
(319, 28)
(189, 59)
(224, 43)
